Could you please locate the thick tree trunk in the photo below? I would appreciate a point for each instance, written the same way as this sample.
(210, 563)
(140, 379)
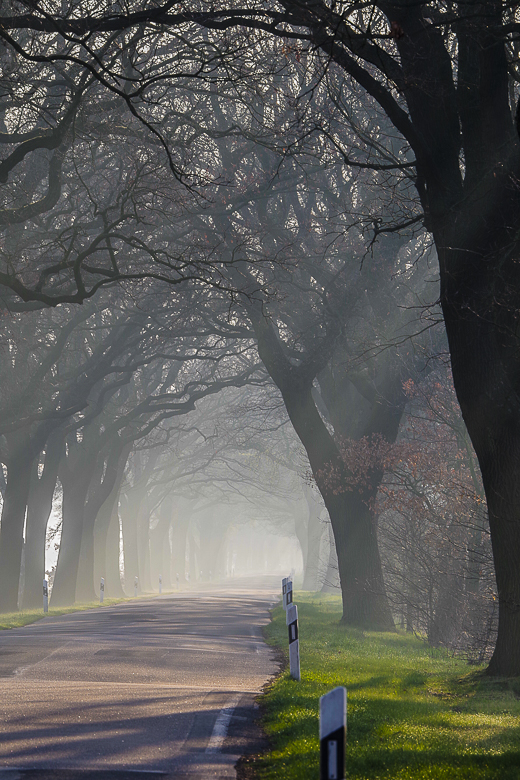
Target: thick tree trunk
(160, 554)
(20, 459)
(99, 492)
(362, 587)
(143, 545)
(85, 589)
(107, 535)
(38, 513)
(75, 487)
(113, 585)
(129, 508)
(331, 579)
(480, 284)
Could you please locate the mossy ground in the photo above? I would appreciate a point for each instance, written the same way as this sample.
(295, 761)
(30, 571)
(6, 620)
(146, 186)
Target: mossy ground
(413, 713)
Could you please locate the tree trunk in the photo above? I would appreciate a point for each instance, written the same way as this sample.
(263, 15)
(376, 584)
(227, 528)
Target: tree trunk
(38, 513)
(482, 317)
(314, 534)
(362, 587)
(331, 579)
(179, 539)
(129, 508)
(107, 537)
(19, 464)
(75, 488)
(99, 492)
(143, 545)
(160, 555)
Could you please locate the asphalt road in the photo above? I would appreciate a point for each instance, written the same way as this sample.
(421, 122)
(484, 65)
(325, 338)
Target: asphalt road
(155, 687)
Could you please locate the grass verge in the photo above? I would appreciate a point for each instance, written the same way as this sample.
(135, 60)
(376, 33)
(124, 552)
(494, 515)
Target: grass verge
(414, 713)
(24, 617)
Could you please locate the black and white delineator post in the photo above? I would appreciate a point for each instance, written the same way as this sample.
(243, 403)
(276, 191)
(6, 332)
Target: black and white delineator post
(160, 583)
(101, 590)
(333, 734)
(288, 593)
(135, 586)
(286, 590)
(45, 596)
(291, 618)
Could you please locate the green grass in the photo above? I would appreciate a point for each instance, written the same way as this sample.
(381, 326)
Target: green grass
(413, 713)
(24, 617)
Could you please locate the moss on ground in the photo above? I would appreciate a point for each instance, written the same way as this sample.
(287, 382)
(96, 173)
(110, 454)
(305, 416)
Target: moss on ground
(414, 713)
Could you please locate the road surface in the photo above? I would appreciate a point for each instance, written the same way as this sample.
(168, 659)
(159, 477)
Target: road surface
(164, 686)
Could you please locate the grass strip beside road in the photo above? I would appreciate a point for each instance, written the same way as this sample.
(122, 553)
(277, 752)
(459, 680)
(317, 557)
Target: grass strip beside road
(414, 713)
(24, 617)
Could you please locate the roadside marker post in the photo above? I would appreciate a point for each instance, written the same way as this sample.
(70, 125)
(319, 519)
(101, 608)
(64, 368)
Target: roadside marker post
(288, 593)
(160, 584)
(177, 579)
(294, 643)
(45, 596)
(333, 734)
(101, 590)
(135, 586)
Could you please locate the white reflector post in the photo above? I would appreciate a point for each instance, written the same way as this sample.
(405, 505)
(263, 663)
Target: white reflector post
(101, 590)
(288, 592)
(135, 586)
(45, 596)
(284, 592)
(333, 734)
(160, 584)
(291, 618)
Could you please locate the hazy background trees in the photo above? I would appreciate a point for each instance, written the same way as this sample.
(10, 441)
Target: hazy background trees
(261, 188)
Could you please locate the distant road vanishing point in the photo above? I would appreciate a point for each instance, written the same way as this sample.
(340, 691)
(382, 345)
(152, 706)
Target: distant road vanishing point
(144, 689)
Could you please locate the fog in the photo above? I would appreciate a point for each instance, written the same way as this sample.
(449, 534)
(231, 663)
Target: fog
(225, 329)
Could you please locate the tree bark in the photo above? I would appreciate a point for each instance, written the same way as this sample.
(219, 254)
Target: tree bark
(362, 587)
(75, 484)
(107, 535)
(19, 463)
(160, 554)
(38, 513)
(99, 492)
(482, 322)
(129, 508)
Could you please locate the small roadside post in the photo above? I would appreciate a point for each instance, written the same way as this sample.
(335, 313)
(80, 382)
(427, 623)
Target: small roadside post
(333, 734)
(177, 579)
(101, 590)
(288, 593)
(135, 586)
(284, 592)
(45, 596)
(160, 583)
(291, 620)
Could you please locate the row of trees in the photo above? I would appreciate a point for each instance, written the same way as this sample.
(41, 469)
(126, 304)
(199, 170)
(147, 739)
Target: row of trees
(258, 152)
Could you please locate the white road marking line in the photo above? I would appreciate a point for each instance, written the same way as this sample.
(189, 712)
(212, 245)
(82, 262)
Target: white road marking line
(221, 726)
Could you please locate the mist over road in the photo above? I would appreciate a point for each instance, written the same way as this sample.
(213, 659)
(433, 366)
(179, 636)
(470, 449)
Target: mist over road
(151, 685)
